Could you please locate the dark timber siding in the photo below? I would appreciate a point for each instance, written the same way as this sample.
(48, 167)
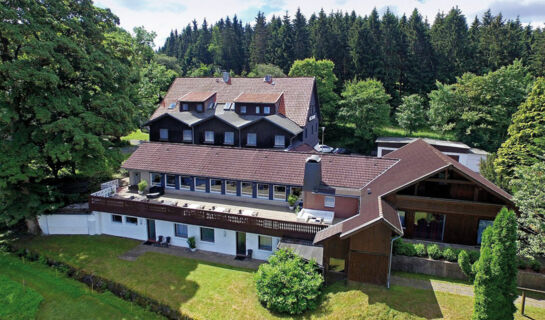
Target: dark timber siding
(265, 131)
(175, 129)
(219, 127)
(250, 108)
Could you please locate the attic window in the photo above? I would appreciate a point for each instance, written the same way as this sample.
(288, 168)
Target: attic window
(211, 105)
(243, 109)
(199, 107)
(185, 107)
(172, 105)
(267, 110)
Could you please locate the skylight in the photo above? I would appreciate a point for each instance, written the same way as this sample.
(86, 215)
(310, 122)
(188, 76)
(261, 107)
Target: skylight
(172, 105)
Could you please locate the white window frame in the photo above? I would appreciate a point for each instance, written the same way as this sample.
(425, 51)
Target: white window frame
(166, 181)
(329, 201)
(242, 109)
(189, 137)
(161, 131)
(232, 142)
(182, 187)
(267, 110)
(268, 190)
(186, 230)
(133, 223)
(259, 237)
(206, 133)
(195, 185)
(229, 192)
(283, 198)
(283, 145)
(185, 107)
(200, 107)
(117, 215)
(251, 195)
(151, 178)
(248, 139)
(257, 110)
(210, 185)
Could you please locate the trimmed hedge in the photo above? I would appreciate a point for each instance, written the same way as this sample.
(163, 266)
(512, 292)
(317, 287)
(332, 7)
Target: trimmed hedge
(435, 252)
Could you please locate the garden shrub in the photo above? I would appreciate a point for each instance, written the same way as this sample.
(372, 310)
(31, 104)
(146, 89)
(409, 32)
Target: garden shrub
(474, 255)
(535, 265)
(465, 264)
(403, 248)
(450, 255)
(435, 252)
(522, 263)
(420, 249)
(288, 284)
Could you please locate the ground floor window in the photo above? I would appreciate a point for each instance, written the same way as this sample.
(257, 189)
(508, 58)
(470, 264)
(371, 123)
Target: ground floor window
(131, 220)
(263, 190)
(215, 185)
(336, 264)
(185, 183)
(180, 230)
(230, 187)
(246, 189)
(428, 225)
(117, 218)
(207, 234)
(296, 191)
(171, 181)
(265, 243)
(200, 184)
(483, 224)
(279, 193)
(155, 179)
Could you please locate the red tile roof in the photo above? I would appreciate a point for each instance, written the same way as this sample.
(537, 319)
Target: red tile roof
(258, 97)
(417, 160)
(262, 165)
(296, 97)
(197, 96)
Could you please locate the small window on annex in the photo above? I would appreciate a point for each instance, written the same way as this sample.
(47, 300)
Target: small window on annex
(265, 243)
(171, 181)
(131, 220)
(207, 234)
(155, 179)
(180, 230)
(117, 218)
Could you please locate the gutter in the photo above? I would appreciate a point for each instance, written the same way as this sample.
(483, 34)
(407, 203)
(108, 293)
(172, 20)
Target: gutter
(390, 262)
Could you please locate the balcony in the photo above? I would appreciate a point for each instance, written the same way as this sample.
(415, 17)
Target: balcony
(210, 212)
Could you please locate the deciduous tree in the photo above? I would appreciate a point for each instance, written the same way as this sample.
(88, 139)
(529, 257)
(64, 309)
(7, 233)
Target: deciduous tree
(411, 114)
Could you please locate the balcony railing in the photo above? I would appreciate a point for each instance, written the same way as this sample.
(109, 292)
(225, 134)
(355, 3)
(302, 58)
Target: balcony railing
(207, 218)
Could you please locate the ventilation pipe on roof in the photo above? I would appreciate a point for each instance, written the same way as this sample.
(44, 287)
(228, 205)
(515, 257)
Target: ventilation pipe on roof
(313, 173)
(226, 76)
(268, 78)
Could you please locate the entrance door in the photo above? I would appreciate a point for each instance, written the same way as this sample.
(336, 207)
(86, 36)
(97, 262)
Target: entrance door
(241, 243)
(151, 230)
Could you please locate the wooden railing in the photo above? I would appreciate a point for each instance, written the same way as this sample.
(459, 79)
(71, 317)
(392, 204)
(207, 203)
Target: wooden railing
(207, 218)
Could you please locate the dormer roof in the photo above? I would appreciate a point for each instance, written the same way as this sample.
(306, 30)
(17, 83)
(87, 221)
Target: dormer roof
(258, 97)
(197, 96)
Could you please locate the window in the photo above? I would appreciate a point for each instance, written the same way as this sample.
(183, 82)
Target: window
(265, 243)
(483, 224)
(279, 193)
(230, 187)
(117, 218)
(243, 109)
(200, 184)
(207, 234)
(131, 220)
(215, 185)
(266, 110)
(185, 183)
(263, 190)
(171, 181)
(188, 136)
(209, 136)
(257, 110)
(155, 179)
(246, 189)
(163, 134)
(180, 230)
(229, 138)
(199, 107)
(185, 107)
(251, 140)
(428, 225)
(296, 191)
(402, 218)
(329, 202)
(279, 141)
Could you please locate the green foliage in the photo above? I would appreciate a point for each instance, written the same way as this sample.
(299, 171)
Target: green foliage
(420, 249)
(529, 197)
(142, 185)
(477, 109)
(434, 251)
(496, 270)
(535, 265)
(203, 70)
(191, 242)
(487, 169)
(326, 80)
(474, 255)
(69, 78)
(402, 248)
(411, 114)
(261, 70)
(466, 265)
(450, 254)
(365, 105)
(292, 199)
(288, 284)
(525, 144)
(18, 302)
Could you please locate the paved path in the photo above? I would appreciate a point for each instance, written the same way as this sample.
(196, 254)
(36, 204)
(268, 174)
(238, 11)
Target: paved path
(460, 289)
(207, 256)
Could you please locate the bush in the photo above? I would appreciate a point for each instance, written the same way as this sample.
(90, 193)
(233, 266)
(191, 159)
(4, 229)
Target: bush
(142, 185)
(535, 265)
(474, 255)
(435, 252)
(420, 249)
(450, 255)
(465, 264)
(288, 284)
(402, 248)
(522, 263)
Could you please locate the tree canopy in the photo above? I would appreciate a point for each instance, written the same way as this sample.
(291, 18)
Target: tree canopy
(411, 114)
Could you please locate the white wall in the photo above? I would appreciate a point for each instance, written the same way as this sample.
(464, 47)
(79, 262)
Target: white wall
(124, 229)
(69, 224)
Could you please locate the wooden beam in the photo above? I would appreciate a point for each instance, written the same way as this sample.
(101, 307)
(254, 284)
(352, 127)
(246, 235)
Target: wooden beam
(453, 181)
(449, 206)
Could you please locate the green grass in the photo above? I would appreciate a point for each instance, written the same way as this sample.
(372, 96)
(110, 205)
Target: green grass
(63, 298)
(136, 135)
(17, 301)
(421, 276)
(421, 133)
(210, 291)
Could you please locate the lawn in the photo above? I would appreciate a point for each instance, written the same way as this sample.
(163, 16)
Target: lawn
(50, 295)
(210, 291)
(136, 135)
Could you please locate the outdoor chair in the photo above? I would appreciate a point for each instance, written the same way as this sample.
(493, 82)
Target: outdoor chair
(159, 240)
(166, 244)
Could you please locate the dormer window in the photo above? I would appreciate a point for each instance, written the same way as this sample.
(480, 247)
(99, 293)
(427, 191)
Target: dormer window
(199, 107)
(279, 141)
(243, 109)
(185, 107)
(266, 110)
(209, 136)
(251, 139)
(163, 134)
(257, 110)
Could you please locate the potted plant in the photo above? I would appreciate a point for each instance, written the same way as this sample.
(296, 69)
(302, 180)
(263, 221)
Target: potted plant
(142, 185)
(291, 201)
(191, 243)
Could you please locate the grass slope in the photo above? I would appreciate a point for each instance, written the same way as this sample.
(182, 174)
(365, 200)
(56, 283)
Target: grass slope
(63, 298)
(17, 301)
(209, 291)
(136, 135)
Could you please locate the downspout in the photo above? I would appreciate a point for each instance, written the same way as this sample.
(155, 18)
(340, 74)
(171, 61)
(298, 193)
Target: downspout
(390, 262)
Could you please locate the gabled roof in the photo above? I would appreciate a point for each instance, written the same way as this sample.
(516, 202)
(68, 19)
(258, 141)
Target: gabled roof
(262, 165)
(188, 118)
(417, 161)
(258, 97)
(433, 142)
(197, 96)
(296, 97)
